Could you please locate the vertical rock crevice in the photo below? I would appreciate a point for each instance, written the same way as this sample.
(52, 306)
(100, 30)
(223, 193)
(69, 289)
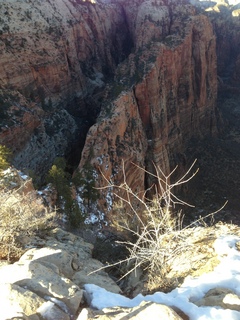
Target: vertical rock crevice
(59, 57)
(173, 83)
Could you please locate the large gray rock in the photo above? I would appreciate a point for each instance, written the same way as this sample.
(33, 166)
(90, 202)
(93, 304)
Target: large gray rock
(18, 302)
(220, 297)
(21, 303)
(74, 245)
(62, 259)
(44, 282)
(146, 310)
(88, 274)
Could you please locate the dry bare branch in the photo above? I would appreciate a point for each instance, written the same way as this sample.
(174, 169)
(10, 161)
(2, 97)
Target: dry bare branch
(158, 237)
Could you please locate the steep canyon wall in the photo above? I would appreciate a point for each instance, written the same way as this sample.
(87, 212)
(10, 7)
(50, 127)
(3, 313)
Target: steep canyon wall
(55, 58)
(168, 96)
(142, 75)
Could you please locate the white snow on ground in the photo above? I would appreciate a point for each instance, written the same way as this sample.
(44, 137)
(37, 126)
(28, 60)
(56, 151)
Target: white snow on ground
(225, 275)
(23, 176)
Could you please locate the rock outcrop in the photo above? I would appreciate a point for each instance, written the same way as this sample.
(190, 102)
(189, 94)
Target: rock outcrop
(142, 75)
(47, 282)
(172, 97)
(224, 16)
(53, 281)
(222, 297)
(145, 310)
(55, 58)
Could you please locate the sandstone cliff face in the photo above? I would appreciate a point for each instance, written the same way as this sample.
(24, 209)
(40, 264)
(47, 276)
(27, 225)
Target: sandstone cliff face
(55, 55)
(172, 99)
(60, 59)
(224, 17)
(56, 48)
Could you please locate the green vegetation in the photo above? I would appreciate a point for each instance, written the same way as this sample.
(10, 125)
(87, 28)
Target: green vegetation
(87, 184)
(5, 155)
(67, 186)
(61, 181)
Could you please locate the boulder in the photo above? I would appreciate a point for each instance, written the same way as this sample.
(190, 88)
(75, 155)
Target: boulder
(19, 302)
(220, 297)
(146, 310)
(73, 244)
(88, 274)
(62, 259)
(44, 282)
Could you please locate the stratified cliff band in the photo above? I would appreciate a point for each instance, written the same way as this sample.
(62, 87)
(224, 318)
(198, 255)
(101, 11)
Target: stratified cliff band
(129, 81)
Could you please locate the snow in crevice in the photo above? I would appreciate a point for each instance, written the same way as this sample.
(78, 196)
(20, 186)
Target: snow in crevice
(225, 275)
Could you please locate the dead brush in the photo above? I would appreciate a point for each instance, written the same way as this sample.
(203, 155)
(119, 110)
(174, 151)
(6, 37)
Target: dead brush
(157, 236)
(21, 215)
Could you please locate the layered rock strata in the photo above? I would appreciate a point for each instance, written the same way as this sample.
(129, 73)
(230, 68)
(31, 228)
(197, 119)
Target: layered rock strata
(56, 57)
(172, 98)
(47, 282)
(224, 16)
(62, 57)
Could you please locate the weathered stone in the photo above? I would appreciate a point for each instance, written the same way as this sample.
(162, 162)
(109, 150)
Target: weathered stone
(61, 64)
(21, 303)
(59, 258)
(17, 300)
(55, 63)
(43, 281)
(146, 310)
(49, 311)
(72, 243)
(88, 274)
(172, 100)
(220, 297)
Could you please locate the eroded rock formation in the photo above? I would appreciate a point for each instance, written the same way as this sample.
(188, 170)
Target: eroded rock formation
(47, 282)
(54, 56)
(142, 75)
(168, 95)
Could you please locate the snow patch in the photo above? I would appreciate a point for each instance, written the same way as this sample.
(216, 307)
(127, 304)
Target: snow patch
(226, 275)
(109, 199)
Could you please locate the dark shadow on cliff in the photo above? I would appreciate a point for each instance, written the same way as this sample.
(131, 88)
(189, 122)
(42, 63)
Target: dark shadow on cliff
(218, 179)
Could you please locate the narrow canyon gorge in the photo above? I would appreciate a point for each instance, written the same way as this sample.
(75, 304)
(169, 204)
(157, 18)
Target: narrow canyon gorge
(141, 82)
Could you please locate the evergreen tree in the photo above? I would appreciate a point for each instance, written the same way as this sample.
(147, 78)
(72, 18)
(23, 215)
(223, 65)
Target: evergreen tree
(89, 192)
(5, 155)
(61, 181)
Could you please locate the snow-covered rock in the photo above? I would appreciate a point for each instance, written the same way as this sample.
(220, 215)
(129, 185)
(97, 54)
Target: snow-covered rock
(146, 310)
(46, 283)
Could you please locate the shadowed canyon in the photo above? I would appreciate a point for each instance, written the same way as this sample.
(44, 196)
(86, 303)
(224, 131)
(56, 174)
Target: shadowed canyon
(141, 81)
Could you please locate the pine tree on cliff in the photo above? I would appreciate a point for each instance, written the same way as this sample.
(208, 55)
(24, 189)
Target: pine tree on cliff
(61, 180)
(87, 183)
(5, 154)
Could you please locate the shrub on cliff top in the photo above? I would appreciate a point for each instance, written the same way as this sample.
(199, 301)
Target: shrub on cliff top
(156, 238)
(22, 216)
(5, 155)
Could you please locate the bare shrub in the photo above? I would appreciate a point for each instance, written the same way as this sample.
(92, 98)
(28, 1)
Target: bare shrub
(158, 238)
(21, 217)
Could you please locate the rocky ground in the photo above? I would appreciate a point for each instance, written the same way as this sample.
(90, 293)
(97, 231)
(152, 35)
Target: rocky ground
(48, 281)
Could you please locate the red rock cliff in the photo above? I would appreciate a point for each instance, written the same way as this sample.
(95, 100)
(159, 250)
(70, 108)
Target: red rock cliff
(149, 66)
(55, 57)
(169, 89)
